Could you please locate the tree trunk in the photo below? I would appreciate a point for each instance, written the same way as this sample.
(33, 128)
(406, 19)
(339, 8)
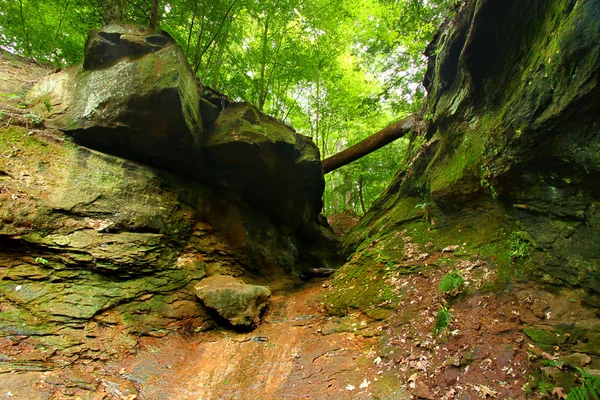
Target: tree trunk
(112, 11)
(262, 96)
(27, 43)
(154, 15)
(219, 61)
(360, 194)
(369, 145)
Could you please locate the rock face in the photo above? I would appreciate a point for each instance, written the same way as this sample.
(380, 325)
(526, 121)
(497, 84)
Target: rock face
(104, 243)
(239, 303)
(508, 160)
(253, 154)
(501, 190)
(136, 98)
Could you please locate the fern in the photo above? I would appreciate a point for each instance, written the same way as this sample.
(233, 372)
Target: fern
(589, 390)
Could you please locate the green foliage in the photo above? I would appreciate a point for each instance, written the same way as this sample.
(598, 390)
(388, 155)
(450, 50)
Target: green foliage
(451, 283)
(41, 260)
(442, 319)
(33, 119)
(589, 389)
(520, 247)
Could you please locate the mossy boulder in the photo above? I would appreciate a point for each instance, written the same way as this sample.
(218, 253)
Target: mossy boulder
(91, 242)
(241, 304)
(267, 163)
(137, 102)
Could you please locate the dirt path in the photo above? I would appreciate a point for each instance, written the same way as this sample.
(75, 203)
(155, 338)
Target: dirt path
(299, 352)
(294, 354)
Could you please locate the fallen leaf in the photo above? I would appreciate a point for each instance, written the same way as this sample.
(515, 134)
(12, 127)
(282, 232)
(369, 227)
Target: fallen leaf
(486, 391)
(559, 392)
(413, 377)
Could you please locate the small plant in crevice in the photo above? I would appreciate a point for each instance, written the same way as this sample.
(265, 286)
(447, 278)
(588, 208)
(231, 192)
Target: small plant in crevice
(442, 319)
(427, 213)
(519, 246)
(41, 260)
(451, 283)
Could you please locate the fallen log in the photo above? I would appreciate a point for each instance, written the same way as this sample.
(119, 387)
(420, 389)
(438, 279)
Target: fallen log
(369, 145)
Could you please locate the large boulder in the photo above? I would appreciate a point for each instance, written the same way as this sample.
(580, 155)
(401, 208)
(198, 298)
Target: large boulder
(241, 304)
(267, 163)
(137, 98)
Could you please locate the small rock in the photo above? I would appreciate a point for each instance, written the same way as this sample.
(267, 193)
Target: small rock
(451, 375)
(452, 361)
(422, 391)
(576, 359)
(450, 249)
(239, 303)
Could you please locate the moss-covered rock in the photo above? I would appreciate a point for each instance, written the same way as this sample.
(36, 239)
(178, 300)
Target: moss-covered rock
(137, 102)
(241, 304)
(90, 241)
(505, 167)
(267, 163)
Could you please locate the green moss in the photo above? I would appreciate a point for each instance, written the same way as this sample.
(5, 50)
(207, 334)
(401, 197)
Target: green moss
(363, 285)
(544, 336)
(462, 164)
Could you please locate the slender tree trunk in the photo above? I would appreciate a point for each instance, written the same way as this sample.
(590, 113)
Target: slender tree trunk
(189, 39)
(154, 15)
(262, 97)
(334, 199)
(369, 145)
(348, 206)
(27, 43)
(207, 63)
(318, 103)
(198, 56)
(112, 11)
(360, 193)
(219, 61)
(62, 18)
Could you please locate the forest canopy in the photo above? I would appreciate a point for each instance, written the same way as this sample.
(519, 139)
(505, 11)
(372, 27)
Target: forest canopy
(336, 70)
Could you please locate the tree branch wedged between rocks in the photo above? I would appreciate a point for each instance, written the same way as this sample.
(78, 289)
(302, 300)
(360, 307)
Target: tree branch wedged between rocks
(370, 144)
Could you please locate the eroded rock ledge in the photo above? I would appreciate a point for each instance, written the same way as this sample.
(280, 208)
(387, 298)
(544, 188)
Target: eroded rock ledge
(144, 184)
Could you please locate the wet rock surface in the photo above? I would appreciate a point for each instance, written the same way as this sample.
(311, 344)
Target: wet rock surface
(232, 299)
